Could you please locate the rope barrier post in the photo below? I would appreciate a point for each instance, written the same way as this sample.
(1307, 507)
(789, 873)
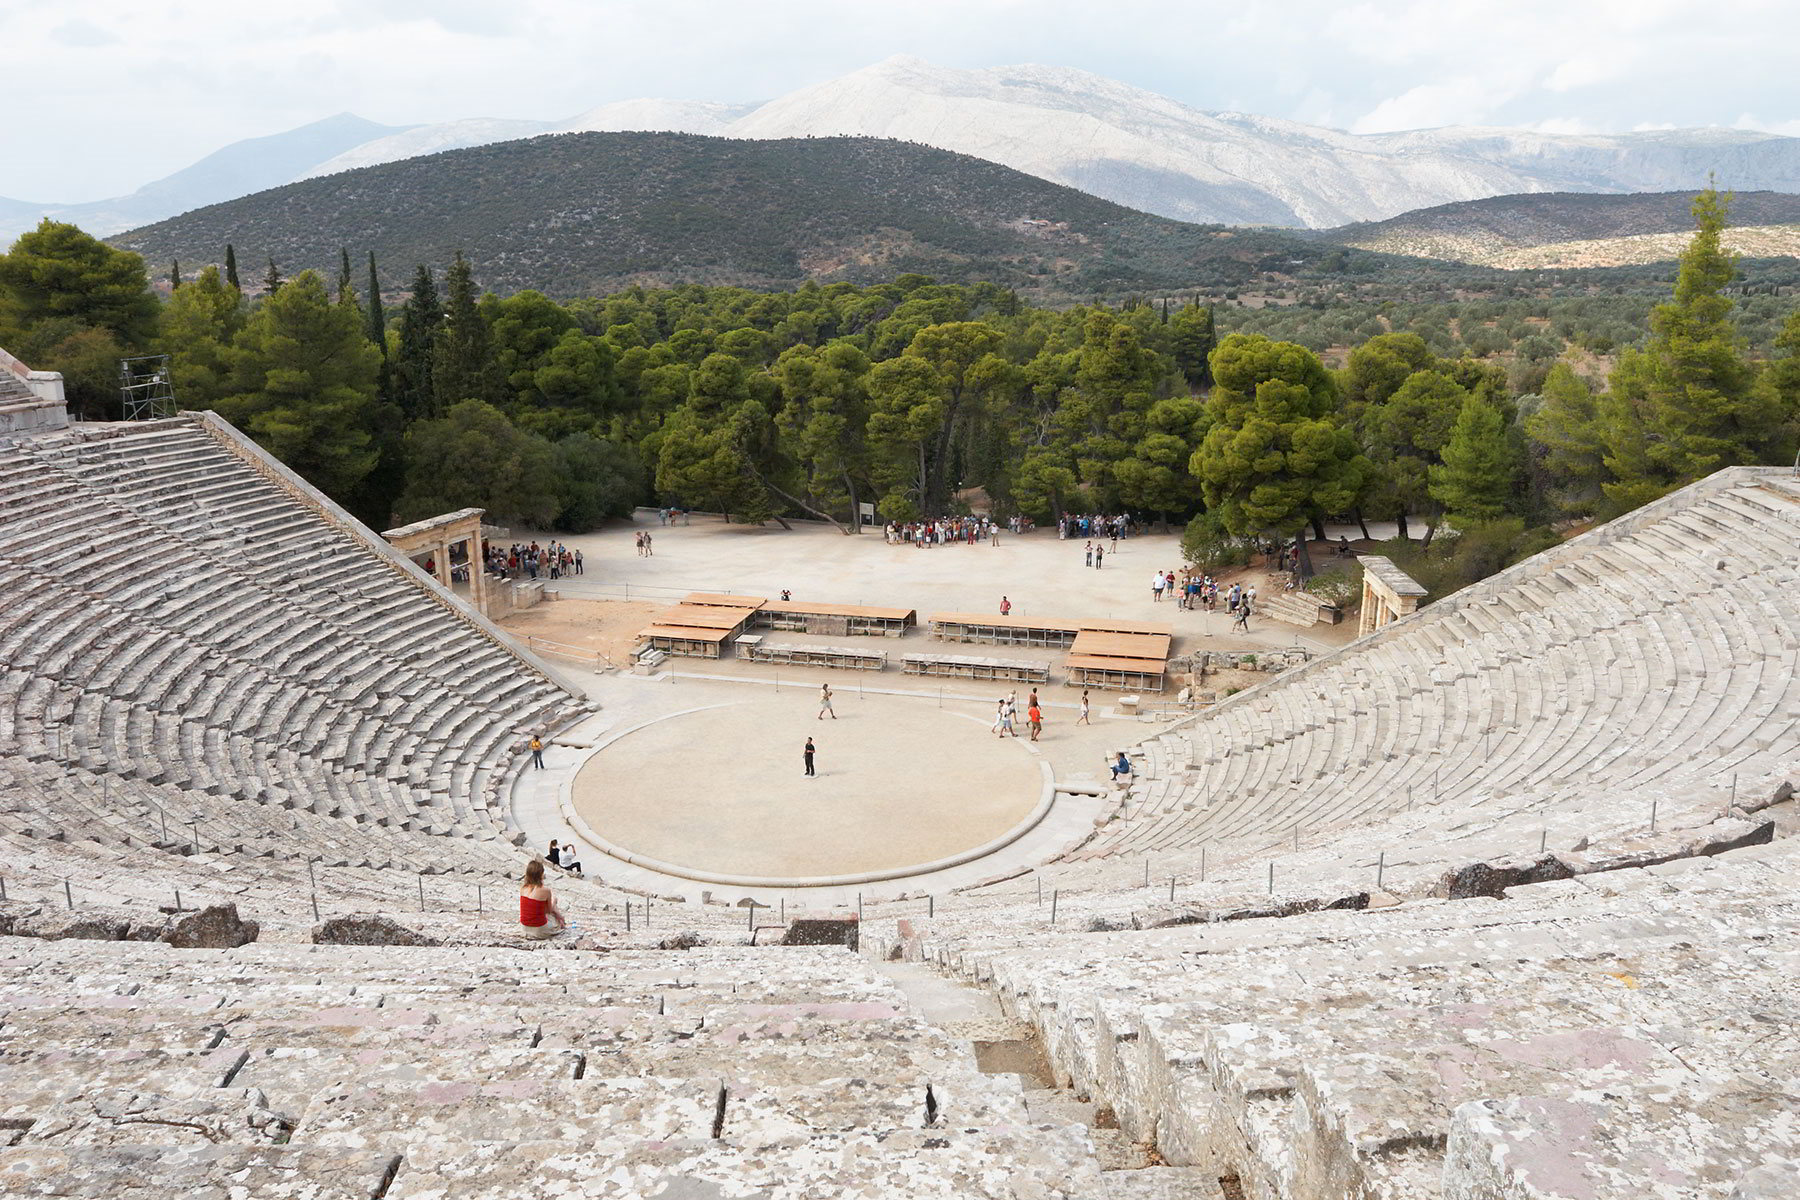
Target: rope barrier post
(859, 913)
(750, 923)
(646, 912)
(931, 906)
(628, 914)
(421, 891)
(1054, 893)
(1296, 837)
(2, 887)
(782, 912)
(68, 893)
(1380, 869)
(1653, 815)
(1271, 877)
(1203, 864)
(1146, 870)
(1040, 887)
(478, 899)
(1171, 889)
(1543, 840)
(177, 899)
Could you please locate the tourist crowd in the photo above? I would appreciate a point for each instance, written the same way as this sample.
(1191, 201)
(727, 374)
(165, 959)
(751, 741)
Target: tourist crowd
(529, 561)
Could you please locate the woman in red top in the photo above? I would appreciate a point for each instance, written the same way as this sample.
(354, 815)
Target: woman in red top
(538, 915)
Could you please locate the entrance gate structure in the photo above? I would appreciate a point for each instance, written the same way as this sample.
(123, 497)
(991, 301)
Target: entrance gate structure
(1388, 594)
(433, 538)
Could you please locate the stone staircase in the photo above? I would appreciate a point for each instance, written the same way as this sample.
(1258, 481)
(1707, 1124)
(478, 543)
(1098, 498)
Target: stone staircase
(136, 1070)
(1295, 608)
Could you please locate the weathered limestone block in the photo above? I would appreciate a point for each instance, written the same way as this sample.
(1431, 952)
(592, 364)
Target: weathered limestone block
(572, 1112)
(36, 1079)
(216, 927)
(289, 1076)
(158, 1172)
(122, 1117)
(822, 929)
(1046, 1163)
(86, 926)
(368, 930)
(1492, 879)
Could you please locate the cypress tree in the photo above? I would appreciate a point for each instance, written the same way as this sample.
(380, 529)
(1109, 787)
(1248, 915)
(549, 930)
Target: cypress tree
(420, 321)
(462, 369)
(345, 294)
(272, 281)
(376, 316)
(174, 274)
(231, 275)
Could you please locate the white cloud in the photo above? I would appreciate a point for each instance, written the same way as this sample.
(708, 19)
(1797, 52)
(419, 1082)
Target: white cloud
(122, 91)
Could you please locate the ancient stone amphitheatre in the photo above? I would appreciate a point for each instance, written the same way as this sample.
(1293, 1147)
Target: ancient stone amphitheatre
(1488, 904)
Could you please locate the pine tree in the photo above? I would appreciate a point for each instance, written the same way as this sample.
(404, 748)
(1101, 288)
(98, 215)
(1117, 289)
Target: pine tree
(1688, 398)
(1191, 341)
(1476, 480)
(231, 275)
(419, 323)
(1567, 425)
(174, 275)
(1277, 454)
(463, 367)
(272, 280)
(199, 324)
(303, 381)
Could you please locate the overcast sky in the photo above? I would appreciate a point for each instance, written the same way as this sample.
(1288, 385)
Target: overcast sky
(105, 95)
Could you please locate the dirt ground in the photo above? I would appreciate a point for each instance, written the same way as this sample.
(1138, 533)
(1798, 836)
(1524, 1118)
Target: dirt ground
(608, 627)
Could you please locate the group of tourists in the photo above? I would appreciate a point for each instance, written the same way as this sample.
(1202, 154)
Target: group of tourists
(672, 516)
(944, 531)
(1006, 715)
(1095, 525)
(644, 547)
(530, 560)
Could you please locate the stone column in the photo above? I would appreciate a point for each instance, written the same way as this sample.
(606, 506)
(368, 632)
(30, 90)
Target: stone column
(443, 563)
(477, 573)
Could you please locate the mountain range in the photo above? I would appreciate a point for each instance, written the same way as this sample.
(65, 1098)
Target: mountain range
(1115, 141)
(1573, 230)
(585, 214)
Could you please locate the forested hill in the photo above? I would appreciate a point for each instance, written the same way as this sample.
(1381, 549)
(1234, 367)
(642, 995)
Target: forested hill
(1574, 229)
(589, 213)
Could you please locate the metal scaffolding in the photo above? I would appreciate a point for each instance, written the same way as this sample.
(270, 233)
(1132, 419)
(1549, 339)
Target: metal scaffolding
(145, 387)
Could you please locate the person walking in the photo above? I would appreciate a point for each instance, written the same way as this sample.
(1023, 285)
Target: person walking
(537, 751)
(1099, 554)
(1088, 555)
(649, 548)
(1156, 588)
(825, 702)
(1000, 719)
(807, 754)
(1034, 717)
(1086, 709)
(539, 917)
(1243, 618)
(1005, 607)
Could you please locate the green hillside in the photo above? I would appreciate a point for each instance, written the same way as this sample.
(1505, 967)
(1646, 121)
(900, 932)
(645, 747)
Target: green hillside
(583, 214)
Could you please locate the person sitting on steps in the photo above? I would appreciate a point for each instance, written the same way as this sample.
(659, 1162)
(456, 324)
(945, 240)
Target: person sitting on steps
(538, 915)
(1121, 768)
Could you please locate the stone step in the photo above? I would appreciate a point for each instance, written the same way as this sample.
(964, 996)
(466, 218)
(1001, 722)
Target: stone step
(159, 1171)
(1044, 1163)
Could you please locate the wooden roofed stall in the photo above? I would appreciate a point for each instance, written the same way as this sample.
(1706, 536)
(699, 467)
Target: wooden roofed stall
(701, 625)
(1120, 660)
(1004, 631)
(835, 620)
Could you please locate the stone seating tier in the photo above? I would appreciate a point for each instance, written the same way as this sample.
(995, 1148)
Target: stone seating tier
(1605, 1036)
(180, 622)
(334, 1071)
